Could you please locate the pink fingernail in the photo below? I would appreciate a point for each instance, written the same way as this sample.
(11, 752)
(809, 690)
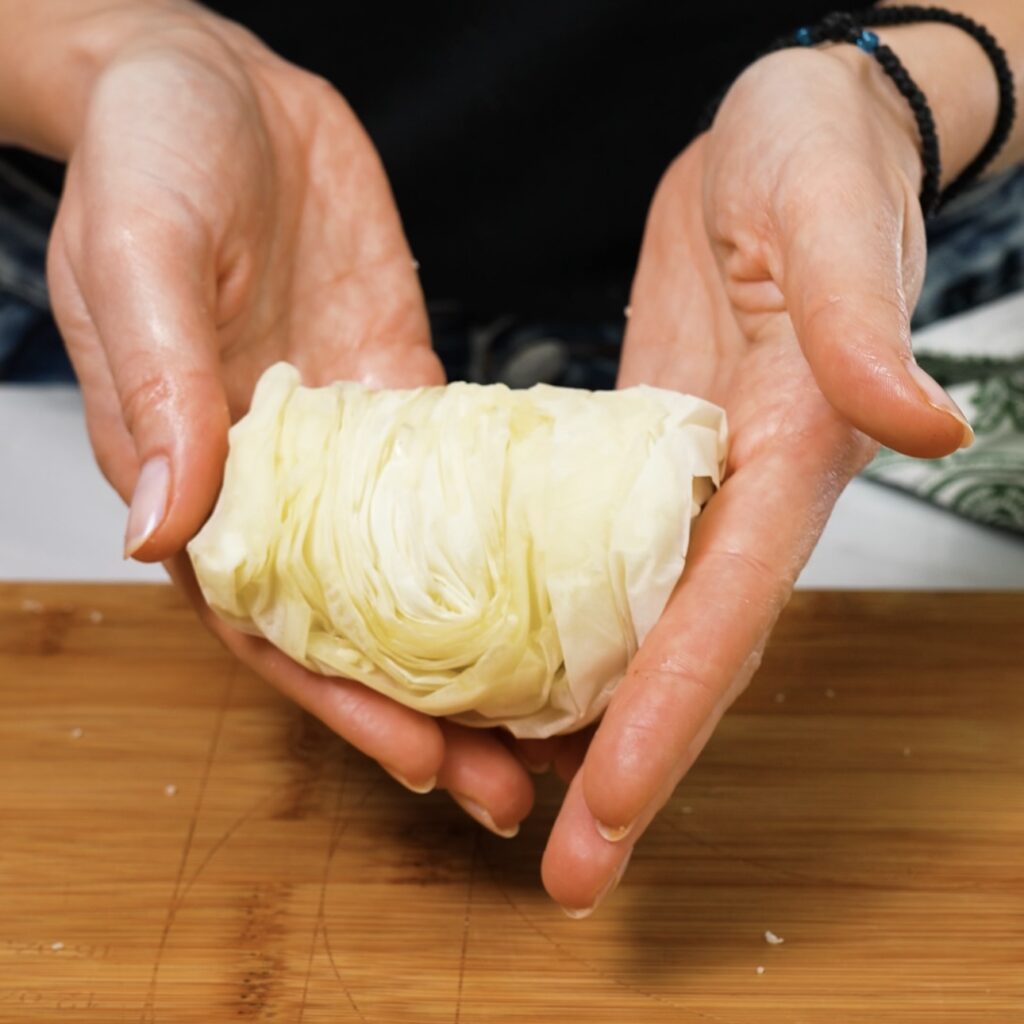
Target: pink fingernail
(413, 787)
(937, 397)
(613, 835)
(149, 503)
(613, 884)
(483, 816)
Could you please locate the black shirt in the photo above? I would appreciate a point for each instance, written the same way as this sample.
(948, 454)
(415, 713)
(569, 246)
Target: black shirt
(524, 140)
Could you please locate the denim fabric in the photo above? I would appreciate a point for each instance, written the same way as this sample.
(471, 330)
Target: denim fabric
(975, 249)
(30, 345)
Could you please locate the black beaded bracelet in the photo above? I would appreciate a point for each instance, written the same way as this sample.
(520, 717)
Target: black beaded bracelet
(844, 27)
(841, 28)
(880, 17)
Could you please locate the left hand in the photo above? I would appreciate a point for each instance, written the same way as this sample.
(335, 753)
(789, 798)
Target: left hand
(784, 251)
(224, 209)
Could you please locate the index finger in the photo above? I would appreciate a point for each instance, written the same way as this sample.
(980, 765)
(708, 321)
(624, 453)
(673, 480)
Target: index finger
(747, 550)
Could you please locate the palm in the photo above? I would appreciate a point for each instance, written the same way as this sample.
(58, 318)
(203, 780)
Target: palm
(225, 210)
(688, 332)
(288, 214)
(781, 259)
(330, 285)
(790, 455)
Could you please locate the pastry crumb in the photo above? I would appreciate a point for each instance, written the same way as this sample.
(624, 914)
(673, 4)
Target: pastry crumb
(95, 617)
(77, 733)
(170, 789)
(772, 939)
(56, 946)
(30, 604)
(759, 969)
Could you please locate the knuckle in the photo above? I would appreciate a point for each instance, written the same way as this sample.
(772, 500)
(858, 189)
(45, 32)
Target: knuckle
(144, 391)
(647, 748)
(319, 86)
(147, 389)
(746, 563)
(768, 584)
(678, 679)
(854, 317)
(320, 97)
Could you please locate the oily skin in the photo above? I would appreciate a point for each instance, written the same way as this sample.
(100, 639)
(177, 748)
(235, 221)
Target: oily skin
(224, 210)
(776, 277)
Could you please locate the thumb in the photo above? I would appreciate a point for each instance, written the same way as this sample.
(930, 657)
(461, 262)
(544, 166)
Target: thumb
(850, 260)
(149, 291)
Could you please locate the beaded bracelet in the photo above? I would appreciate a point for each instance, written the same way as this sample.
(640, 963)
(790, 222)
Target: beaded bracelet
(843, 27)
(879, 17)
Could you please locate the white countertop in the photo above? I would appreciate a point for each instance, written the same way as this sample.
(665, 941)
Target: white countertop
(60, 520)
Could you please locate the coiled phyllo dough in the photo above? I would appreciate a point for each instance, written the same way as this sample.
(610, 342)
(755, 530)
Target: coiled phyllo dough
(492, 555)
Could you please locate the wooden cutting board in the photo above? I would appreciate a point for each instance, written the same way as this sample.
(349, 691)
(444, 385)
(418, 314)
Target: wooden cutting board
(180, 844)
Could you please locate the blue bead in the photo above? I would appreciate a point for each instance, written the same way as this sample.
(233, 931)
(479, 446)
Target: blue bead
(803, 36)
(867, 41)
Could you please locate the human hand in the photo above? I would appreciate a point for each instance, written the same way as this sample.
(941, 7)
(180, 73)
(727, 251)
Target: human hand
(223, 210)
(783, 254)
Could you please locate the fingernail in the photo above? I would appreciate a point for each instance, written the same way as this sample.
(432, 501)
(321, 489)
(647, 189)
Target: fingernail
(613, 835)
(149, 503)
(613, 884)
(423, 787)
(938, 398)
(482, 815)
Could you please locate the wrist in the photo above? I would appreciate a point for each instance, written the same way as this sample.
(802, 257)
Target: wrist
(964, 63)
(957, 79)
(889, 111)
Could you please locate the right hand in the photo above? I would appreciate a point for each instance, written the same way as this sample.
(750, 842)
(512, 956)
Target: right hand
(783, 254)
(223, 210)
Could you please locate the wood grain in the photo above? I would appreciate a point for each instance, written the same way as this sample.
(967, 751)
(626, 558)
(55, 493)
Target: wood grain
(873, 816)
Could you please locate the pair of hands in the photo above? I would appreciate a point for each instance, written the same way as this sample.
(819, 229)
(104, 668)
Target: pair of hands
(224, 209)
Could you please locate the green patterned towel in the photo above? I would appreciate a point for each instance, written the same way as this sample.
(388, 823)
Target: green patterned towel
(979, 358)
